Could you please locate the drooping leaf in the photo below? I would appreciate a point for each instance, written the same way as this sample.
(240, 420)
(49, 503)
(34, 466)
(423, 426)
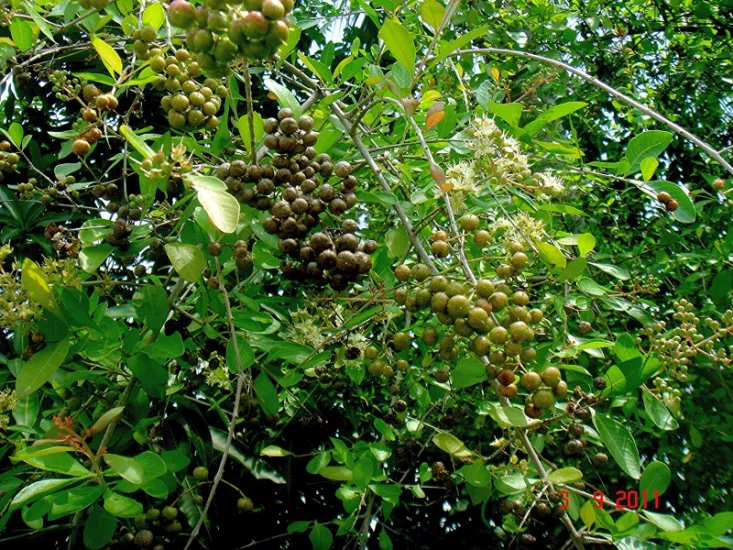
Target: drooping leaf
(187, 260)
(108, 55)
(620, 443)
(38, 369)
(656, 477)
(399, 42)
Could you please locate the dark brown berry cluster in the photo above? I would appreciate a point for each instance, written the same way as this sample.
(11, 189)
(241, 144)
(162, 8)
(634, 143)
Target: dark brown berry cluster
(120, 235)
(218, 32)
(189, 104)
(296, 191)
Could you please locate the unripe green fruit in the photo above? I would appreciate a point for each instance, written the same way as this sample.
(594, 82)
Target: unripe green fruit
(462, 328)
(599, 459)
(469, 222)
(440, 249)
(454, 289)
(543, 399)
(203, 41)
(561, 389)
(531, 381)
(482, 238)
(535, 316)
(484, 288)
(201, 473)
(423, 297)
(401, 341)
(498, 336)
(439, 302)
(148, 34)
(481, 345)
(438, 284)
(273, 9)
(458, 306)
(170, 513)
(400, 295)
(498, 301)
(420, 272)
(551, 376)
(225, 51)
(179, 102)
(512, 349)
(430, 336)
(402, 272)
(520, 298)
(519, 331)
(519, 261)
(478, 318)
(176, 119)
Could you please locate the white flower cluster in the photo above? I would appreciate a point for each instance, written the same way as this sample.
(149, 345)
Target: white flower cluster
(521, 228)
(305, 330)
(549, 184)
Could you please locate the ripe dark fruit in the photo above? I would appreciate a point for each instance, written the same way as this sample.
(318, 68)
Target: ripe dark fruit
(672, 205)
(584, 327)
(508, 391)
(80, 147)
(561, 389)
(551, 376)
(442, 375)
(664, 197)
(599, 460)
(144, 539)
(719, 184)
(599, 382)
(531, 381)
(532, 411)
(201, 473)
(505, 377)
(214, 249)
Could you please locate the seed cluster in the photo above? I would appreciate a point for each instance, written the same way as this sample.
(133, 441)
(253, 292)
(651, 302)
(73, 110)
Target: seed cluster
(218, 32)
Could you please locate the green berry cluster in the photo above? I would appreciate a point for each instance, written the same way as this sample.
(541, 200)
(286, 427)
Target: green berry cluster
(189, 104)
(142, 39)
(65, 88)
(8, 161)
(218, 32)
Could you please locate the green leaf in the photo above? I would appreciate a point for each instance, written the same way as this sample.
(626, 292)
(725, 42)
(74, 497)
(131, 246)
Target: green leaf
(589, 286)
(573, 269)
(620, 443)
(284, 96)
(551, 254)
(509, 112)
(397, 241)
(449, 443)
(59, 461)
(34, 284)
(507, 416)
(259, 130)
(476, 474)
(26, 411)
(38, 20)
(35, 490)
(22, 34)
(468, 372)
(266, 394)
(588, 514)
(656, 477)
(448, 48)
(399, 43)
(187, 260)
(647, 144)
(318, 463)
(39, 368)
(320, 537)
(648, 167)
(73, 500)
(721, 286)
(274, 451)
(553, 113)
(432, 12)
(685, 212)
(665, 522)
(152, 376)
(154, 15)
(222, 208)
(246, 354)
(99, 528)
(658, 412)
(586, 243)
(151, 304)
(122, 506)
(92, 257)
(136, 141)
(612, 270)
(106, 419)
(336, 473)
(385, 543)
(152, 464)
(109, 56)
(127, 468)
(565, 475)
(298, 527)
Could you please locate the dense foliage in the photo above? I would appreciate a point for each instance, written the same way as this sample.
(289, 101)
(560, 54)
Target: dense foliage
(367, 274)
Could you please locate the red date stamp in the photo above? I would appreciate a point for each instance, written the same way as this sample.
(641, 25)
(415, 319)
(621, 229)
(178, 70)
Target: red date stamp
(625, 500)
